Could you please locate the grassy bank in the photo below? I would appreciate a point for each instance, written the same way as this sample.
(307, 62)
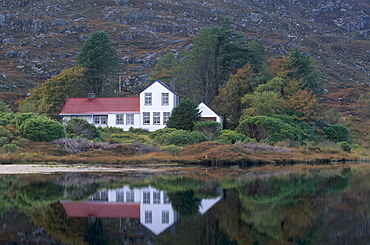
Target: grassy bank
(209, 153)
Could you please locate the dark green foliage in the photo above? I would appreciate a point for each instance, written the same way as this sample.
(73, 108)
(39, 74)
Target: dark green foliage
(231, 137)
(185, 203)
(100, 59)
(184, 115)
(209, 128)
(336, 133)
(216, 53)
(256, 55)
(177, 137)
(304, 67)
(39, 195)
(41, 128)
(266, 128)
(78, 127)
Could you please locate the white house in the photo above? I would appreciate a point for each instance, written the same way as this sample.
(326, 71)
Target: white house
(148, 204)
(151, 110)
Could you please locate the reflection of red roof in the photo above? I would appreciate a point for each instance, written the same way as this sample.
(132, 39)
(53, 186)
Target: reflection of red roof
(80, 106)
(102, 209)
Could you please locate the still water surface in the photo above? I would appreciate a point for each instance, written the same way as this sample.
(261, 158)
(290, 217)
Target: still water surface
(314, 206)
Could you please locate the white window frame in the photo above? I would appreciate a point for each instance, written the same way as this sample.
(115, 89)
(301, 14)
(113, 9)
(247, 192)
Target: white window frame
(165, 217)
(146, 118)
(101, 119)
(156, 118)
(166, 116)
(120, 196)
(156, 197)
(147, 99)
(146, 197)
(165, 99)
(130, 119)
(120, 119)
(130, 196)
(148, 217)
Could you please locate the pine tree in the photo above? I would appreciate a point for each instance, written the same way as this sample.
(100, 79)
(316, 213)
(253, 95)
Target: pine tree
(184, 115)
(100, 59)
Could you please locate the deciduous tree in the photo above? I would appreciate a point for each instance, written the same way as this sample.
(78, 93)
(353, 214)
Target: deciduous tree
(51, 96)
(229, 99)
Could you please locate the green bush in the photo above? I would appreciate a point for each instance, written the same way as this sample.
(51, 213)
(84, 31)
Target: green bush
(160, 132)
(210, 128)
(4, 132)
(6, 118)
(41, 128)
(138, 130)
(21, 118)
(345, 146)
(231, 137)
(78, 127)
(178, 137)
(10, 147)
(266, 128)
(336, 133)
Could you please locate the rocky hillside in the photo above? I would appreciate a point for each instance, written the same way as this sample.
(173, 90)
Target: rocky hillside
(39, 38)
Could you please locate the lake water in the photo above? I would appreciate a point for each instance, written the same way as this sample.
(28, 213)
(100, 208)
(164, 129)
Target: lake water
(314, 205)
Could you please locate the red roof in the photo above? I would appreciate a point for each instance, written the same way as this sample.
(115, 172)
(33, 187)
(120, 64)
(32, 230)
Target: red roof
(102, 209)
(80, 106)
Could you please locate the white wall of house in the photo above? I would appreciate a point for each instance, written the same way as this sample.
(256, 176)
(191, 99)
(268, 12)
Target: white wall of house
(156, 216)
(88, 118)
(208, 112)
(124, 120)
(156, 102)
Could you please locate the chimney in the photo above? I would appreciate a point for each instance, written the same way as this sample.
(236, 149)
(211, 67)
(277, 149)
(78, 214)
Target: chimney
(91, 95)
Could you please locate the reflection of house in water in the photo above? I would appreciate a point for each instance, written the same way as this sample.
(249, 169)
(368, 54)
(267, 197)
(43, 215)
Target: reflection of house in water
(151, 206)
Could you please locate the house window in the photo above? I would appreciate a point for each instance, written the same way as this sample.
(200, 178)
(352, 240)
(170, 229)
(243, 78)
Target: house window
(119, 119)
(148, 99)
(146, 197)
(156, 118)
(166, 116)
(148, 217)
(130, 119)
(100, 119)
(165, 217)
(101, 196)
(120, 195)
(146, 118)
(166, 199)
(156, 197)
(130, 196)
(165, 99)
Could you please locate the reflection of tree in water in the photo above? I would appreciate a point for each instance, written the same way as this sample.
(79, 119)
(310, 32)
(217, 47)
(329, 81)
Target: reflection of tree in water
(95, 234)
(185, 203)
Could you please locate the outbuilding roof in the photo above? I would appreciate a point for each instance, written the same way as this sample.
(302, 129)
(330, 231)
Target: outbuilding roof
(85, 106)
